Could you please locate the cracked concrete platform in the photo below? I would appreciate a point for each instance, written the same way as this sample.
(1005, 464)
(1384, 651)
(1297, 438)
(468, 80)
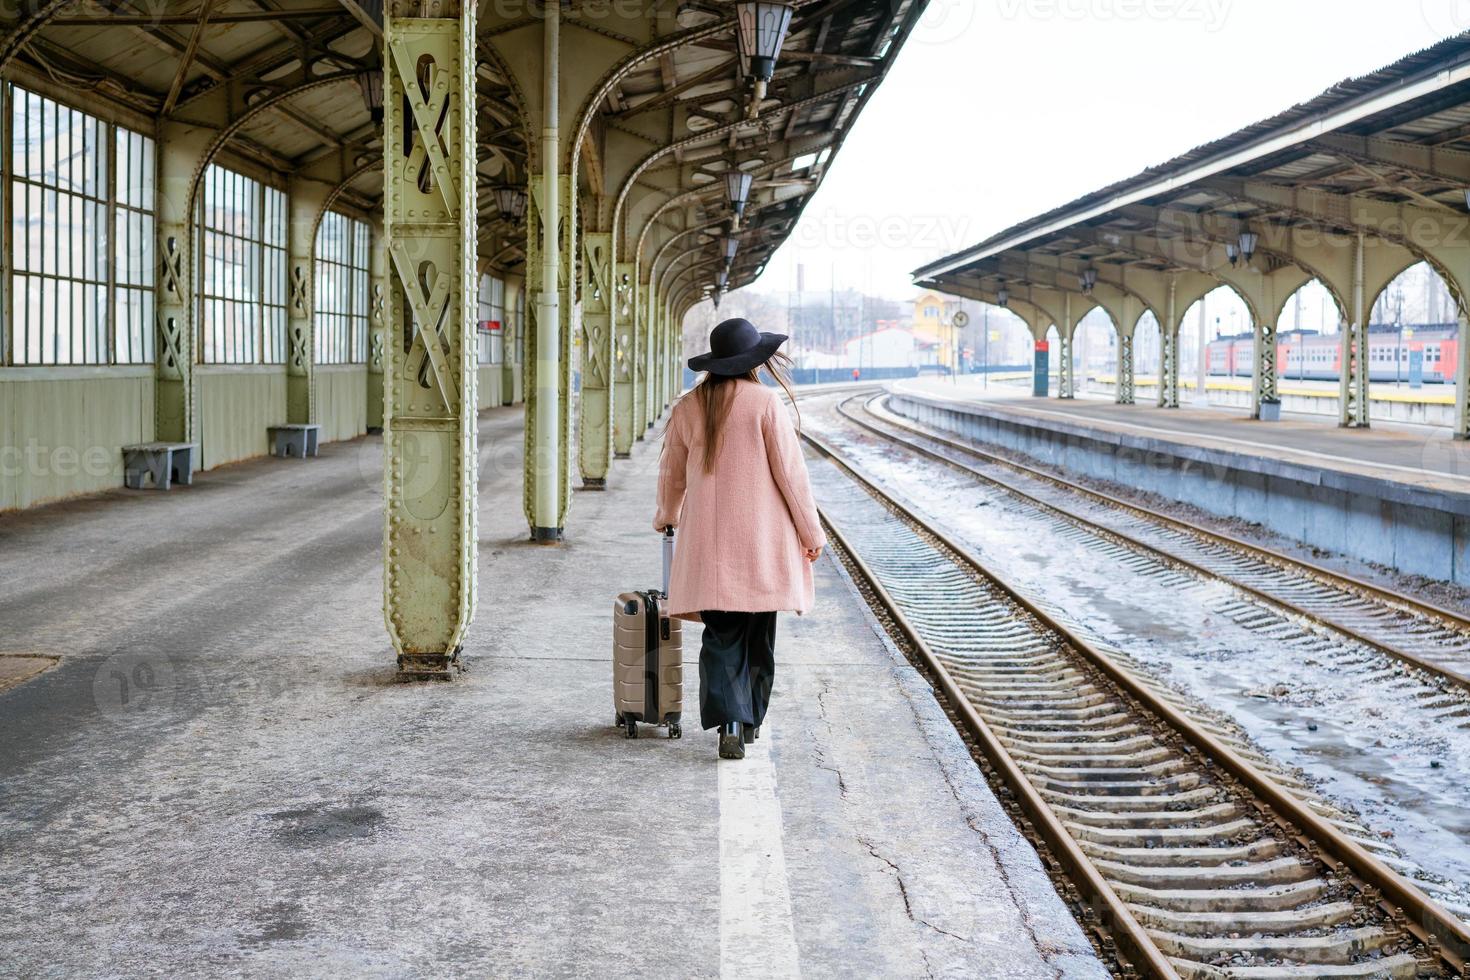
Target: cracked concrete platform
(221, 778)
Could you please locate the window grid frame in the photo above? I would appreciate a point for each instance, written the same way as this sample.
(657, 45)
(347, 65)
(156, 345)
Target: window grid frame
(262, 344)
(341, 289)
(100, 214)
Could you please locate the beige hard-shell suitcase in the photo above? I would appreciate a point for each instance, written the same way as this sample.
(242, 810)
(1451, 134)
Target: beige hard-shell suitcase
(648, 657)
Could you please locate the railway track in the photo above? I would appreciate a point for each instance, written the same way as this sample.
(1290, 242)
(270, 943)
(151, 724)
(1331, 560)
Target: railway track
(1192, 854)
(1425, 636)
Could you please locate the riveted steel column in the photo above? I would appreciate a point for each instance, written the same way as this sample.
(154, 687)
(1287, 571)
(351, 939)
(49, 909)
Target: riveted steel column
(1462, 380)
(377, 331)
(1263, 378)
(181, 152)
(304, 201)
(625, 355)
(1123, 393)
(511, 333)
(1066, 383)
(595, 437)
(1169, 351)
(1353, 372)
(429, 391)
(639, 304)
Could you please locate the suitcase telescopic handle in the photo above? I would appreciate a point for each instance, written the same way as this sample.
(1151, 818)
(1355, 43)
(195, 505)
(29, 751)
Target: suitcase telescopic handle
(668, 556)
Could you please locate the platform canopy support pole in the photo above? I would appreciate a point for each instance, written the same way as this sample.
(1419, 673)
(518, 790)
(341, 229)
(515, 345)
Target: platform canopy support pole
(1123, 394)
(1263, 376)
(306, 201)
(1066, 330)
(1353, 373)
(181, 151)
(544, 355)
(625, 356)
(429, 391)
(1169, 349)
(1462, 380)
(595, 437)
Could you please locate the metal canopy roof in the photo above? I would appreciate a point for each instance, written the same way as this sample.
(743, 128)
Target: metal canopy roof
(1399, 135)
(158, 60)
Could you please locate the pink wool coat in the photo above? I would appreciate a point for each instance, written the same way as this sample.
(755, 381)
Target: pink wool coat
(741, 528)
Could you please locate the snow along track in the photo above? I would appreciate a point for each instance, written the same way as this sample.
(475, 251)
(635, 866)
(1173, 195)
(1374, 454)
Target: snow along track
(1201, 857)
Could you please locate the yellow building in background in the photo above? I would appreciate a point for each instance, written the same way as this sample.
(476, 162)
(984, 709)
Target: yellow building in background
(932, 325)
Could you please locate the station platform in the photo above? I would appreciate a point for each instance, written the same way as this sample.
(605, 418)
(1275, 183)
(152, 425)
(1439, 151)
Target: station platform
(1303, 477)
(221, 775)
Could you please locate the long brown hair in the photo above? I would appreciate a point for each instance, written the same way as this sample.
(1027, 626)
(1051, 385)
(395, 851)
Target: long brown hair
(715, 393)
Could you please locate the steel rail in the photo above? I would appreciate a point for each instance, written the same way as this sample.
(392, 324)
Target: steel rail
(1128, 934)
(1342, 581)
(1422, 918)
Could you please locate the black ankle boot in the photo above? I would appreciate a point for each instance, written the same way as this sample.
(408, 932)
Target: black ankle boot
(749, 733)
(731, 746)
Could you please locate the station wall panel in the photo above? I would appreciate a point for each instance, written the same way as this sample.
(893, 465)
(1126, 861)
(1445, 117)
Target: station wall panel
(341, 400)
(491, 379)
(62, 429)
(237, 403)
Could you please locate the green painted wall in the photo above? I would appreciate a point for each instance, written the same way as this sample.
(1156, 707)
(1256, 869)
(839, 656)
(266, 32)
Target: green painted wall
(236, 404)
(62, 429)
(341, 400)
(491, 382)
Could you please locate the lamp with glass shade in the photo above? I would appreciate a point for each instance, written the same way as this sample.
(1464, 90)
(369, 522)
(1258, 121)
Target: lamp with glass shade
(761, 28)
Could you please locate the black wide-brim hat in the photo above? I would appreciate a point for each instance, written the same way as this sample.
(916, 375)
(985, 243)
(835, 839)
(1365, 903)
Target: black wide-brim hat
(737, 347)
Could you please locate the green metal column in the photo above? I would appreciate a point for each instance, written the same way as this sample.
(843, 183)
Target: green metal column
(595, 435)
(510, 334)
(1462, 381)
(181, 150)
(1353, 380)
(647, 351)
(1066, 382)
(429, 395)
(377, 329)
(1123, 391)
(625, 356)
(1169, 352)
(1263, 378)
(305, 201)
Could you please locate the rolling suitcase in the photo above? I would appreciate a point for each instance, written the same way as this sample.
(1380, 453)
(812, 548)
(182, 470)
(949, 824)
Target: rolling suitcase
(648, 657)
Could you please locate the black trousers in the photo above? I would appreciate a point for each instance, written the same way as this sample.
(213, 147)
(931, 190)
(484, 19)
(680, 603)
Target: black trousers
(737, 664)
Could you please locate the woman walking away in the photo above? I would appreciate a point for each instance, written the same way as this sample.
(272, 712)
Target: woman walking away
(733, 480)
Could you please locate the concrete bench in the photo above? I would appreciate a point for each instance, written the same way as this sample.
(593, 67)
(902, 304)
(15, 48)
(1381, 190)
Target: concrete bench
(164, 461)
(295, 437)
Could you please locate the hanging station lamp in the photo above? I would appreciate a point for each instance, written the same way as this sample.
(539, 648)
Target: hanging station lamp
(1089, 279)
(737, 192)
(1002, 296)
(510, 202)
(1232, 252)
(730, 245)
(762, 30)
(1248, 240)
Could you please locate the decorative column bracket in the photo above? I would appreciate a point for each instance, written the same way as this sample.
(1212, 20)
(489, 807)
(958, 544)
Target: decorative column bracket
(595, 434)
(430, 443)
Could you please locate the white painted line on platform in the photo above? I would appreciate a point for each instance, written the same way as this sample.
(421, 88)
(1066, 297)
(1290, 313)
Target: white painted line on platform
(757, 934)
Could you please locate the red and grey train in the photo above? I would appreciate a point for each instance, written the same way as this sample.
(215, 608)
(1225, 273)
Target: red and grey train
(1310, 356)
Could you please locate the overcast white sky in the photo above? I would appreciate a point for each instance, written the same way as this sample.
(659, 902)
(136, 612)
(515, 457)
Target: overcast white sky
(999, 109)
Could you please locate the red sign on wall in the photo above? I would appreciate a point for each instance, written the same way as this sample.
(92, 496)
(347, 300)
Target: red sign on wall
(490, 326)
(1042, 346)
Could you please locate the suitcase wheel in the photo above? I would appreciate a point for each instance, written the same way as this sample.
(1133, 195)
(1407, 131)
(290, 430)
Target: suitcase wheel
(675, 730)
(630, 727)
(618, 721)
